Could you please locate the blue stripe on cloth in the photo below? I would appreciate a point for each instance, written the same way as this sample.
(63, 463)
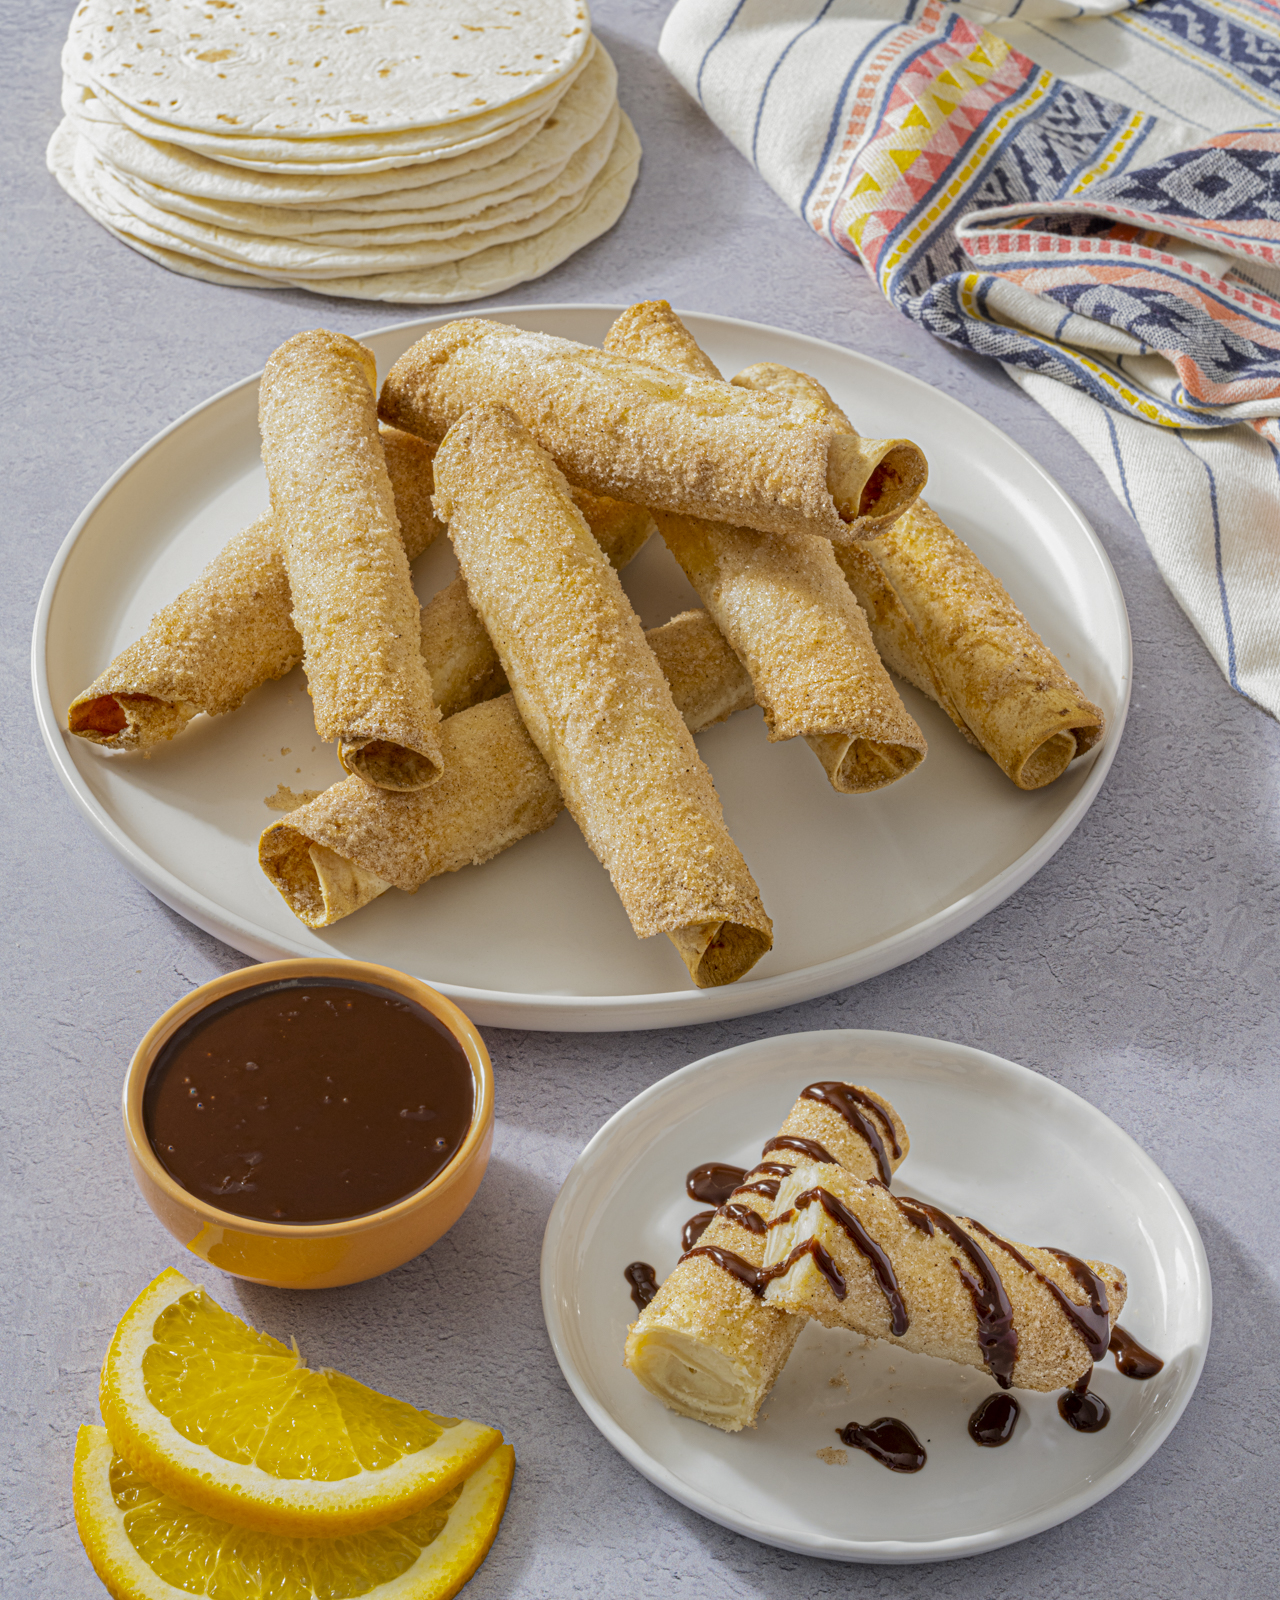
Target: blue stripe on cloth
(837, 114)
(702, 65)
(768, 82)
(1142, 89)
(1217, 557)
(1119, 455)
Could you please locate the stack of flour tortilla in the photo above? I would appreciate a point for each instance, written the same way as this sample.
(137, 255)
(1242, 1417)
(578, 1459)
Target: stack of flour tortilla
(412, 150)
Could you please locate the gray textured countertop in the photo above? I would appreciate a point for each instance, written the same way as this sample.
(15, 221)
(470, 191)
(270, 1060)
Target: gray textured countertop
(1140, 967)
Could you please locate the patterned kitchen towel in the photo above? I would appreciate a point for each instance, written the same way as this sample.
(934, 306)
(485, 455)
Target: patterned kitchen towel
(1090, 194)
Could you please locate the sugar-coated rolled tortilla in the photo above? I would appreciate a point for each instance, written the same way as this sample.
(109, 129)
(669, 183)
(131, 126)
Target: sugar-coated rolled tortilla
(655, 437)
(460, 657)
(340, 851)
(353, 600)
(232, 629)
(783, 604)
(707, 1345)
(593, 697)
(989, 669)
(1035, 1318)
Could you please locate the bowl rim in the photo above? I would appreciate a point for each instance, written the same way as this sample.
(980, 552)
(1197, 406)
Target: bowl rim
(252, 977)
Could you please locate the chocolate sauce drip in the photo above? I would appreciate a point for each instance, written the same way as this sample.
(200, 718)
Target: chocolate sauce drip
(1091, 1322)
(1085, 1412)
(694, 1229)
(861, 1240)
(806, 1147)
(997, 1336)
(887, 1441)
(783, 1220)
(644, 1283)
(758, 1279)
(768, 1187)
(713, 1182)
(745, 1217)
(734, 1265)
(846, 1098)
(992, 1424)
(772, 1169)
(917, 1218)
(1131, 1358)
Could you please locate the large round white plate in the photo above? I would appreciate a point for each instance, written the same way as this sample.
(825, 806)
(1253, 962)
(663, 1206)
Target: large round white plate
(1031, 1159)
(537, 937)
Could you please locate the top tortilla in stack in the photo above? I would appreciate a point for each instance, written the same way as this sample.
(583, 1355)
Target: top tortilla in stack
(219, 137)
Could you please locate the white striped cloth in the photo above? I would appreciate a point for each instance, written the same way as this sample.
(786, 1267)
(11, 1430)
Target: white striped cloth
(794, 86)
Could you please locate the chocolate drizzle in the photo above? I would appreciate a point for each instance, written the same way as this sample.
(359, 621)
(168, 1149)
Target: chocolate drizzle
(744, 1216)
(772, 1169)
(846, 1098)
(1085, 1412)
(917, 1219)
(768, 1187)
(1131, 1358)
(887, 1441)
(997, 1336)
(644, 1283)
(1093, 1321)
(694, 1229)
(806, 1147)
(861, 1240)
(758, 1279)
(992, 1424)
(713, 1182)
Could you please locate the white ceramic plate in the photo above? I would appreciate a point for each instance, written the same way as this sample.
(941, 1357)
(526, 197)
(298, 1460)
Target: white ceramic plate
(989, 1138)
(537, 937)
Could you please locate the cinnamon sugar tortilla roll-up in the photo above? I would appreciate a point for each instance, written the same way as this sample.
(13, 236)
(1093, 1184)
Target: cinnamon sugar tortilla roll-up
(707, 1345)
(784, 606)
(460, 657)
(1011, 691)
(993, 674)
(353, 601)
(851, 1255)
(655, 437)
(593, 697)
(340, 851)
(232, 629)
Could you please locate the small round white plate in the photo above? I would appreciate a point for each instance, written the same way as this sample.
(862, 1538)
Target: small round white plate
(1031, 1159)
(537, 938)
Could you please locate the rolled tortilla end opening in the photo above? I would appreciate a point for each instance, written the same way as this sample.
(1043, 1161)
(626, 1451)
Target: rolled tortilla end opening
(128, 721)
(319, 886)
(691, 1377)
(717, 953)
(387, 765)
(874, 481)
(859, 766)
(1047, 761)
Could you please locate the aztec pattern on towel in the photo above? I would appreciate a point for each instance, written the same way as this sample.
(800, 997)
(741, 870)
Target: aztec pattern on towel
(1012, 214)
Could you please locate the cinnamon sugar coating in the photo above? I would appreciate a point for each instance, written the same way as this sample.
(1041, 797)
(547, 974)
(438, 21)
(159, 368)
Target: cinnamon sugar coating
(1050, 1352)
(949, 626)
(232, 629)
(783, 604)
(353, 600)
(495, 790)
(592, 695)
(705, 1345)
(647, 435)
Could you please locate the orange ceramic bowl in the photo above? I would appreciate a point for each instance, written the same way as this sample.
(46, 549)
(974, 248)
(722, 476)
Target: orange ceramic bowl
(319, 1255)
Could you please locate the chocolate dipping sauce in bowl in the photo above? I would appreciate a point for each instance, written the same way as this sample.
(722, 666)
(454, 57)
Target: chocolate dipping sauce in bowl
(310, 1123)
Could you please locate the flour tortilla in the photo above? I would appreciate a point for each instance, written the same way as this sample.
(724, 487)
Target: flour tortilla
(488, 273)
(513, 166)
(300, 73)
(359, 249)
(352, 152)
